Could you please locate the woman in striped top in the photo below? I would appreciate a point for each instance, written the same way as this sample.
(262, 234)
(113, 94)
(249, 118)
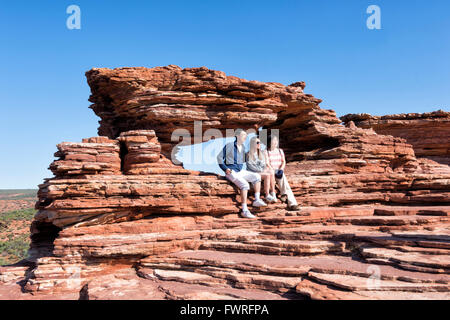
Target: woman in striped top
(277, 162)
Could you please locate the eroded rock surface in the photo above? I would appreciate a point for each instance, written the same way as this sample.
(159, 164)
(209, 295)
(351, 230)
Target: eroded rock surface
(119, 220)
(429, 133)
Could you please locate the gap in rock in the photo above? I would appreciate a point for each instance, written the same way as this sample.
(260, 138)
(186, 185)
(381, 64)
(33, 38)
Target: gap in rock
(42, 238)
(203, 156)
(122, 155)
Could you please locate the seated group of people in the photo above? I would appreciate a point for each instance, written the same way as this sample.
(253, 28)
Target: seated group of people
(267, 165)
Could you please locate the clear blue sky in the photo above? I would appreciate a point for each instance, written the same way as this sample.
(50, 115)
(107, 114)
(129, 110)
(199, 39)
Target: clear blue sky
(402, 68)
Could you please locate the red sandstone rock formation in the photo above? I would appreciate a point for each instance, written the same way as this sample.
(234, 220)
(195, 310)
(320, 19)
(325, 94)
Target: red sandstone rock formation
(429, 133)
(98, 155)
(118, 211)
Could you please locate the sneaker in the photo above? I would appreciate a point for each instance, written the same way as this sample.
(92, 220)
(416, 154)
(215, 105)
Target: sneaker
(259, 203)
(292, 208)
(247, 214)
(274, 196)
(269, 198)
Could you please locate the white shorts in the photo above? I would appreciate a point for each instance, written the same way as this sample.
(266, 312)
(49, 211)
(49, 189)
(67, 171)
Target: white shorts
(242, 178)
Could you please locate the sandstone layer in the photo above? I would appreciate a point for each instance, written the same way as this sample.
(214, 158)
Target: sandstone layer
(429, 133)
(120, 220)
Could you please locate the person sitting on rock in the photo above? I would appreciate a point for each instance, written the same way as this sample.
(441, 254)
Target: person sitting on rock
(277, 162)
(231, 160)
(256, 160)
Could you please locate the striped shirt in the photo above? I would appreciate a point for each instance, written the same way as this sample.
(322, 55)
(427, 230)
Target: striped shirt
(276, 158)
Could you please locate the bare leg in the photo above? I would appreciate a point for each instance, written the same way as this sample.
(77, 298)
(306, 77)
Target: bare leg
(266, 184)
(258, 186)
(266, 178)
(272, 183)
(244, 196)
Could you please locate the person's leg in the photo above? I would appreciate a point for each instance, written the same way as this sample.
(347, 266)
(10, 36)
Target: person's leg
(272, 184)
(257, 187)
(244, 194)
(238, 179)
(285, 189)
(265, 176)
(255, 179)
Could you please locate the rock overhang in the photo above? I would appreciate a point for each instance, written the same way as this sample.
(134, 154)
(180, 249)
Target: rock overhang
(118, 201)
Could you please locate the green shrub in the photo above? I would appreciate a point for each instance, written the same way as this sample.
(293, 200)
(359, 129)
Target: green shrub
(17, 194)
(14, 249)
(23, 214)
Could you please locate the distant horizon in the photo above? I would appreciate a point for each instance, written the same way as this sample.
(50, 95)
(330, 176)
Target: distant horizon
(21, 189)
(403, 67)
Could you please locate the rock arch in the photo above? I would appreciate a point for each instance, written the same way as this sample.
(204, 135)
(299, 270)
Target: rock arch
(126, 172)
(168, 98)
(118, 204)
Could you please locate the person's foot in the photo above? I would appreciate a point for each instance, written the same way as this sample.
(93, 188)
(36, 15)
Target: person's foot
(274, 196)
(283, 198)
(271, 199)
(259, 203)
(293, 208)
(247, 214)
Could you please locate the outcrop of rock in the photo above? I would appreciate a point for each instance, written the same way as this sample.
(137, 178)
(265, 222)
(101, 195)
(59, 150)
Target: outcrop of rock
(429, 133)
(120, 220)
(149, 185)
(98, 155)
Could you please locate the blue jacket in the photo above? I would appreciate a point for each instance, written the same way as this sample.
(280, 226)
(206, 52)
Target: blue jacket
(231, 158)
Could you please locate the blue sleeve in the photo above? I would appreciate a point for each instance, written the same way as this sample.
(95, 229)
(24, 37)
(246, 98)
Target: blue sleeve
(221, 159)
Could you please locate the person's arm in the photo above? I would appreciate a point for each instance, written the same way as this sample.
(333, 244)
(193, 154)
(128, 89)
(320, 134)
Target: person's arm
(248, 162)
(283, 160)
(221, 160)
(266, 157)
(252, 165)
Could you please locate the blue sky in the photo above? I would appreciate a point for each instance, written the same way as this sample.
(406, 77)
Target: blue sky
(402, 68)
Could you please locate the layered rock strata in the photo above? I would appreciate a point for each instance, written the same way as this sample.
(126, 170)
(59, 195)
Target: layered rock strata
(429, 133)
(329, 253)
(119, 214)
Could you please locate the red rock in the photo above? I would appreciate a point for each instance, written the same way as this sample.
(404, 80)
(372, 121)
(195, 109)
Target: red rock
(429, 133)
(119, 220)
(88, 157)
